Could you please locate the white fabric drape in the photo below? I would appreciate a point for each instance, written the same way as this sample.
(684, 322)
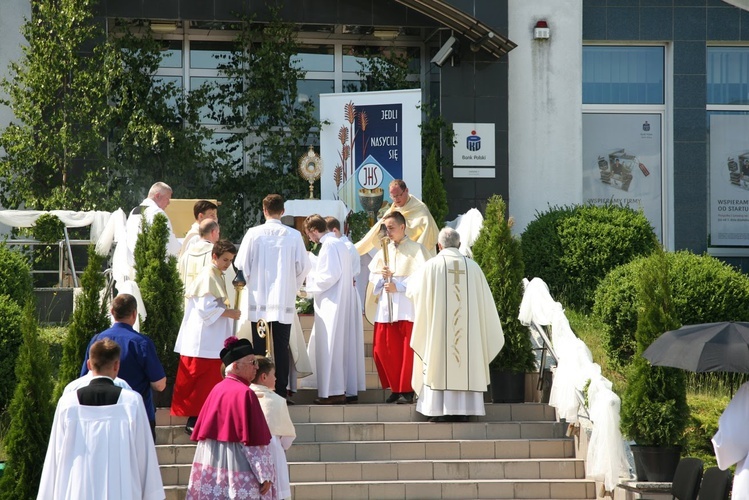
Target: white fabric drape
(27, 218)
(606, 460)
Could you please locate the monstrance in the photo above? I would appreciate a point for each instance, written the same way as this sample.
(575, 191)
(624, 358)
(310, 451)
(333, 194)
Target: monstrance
(310, 168)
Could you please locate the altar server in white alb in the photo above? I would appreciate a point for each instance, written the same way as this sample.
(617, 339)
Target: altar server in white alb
(330, 282)
(731, 442)
(101, 445)
(276, 413)
(355, 344)
(456, 333)
(274, 261)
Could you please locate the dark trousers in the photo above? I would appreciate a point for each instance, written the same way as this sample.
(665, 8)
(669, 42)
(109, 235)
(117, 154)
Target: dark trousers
(281, 333)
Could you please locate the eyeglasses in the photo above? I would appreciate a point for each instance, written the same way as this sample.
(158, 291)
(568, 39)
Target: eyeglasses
(253, 362)
(398, 195)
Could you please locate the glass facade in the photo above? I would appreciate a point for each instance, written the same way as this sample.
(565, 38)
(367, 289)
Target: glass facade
(728, 75)
(623, 75)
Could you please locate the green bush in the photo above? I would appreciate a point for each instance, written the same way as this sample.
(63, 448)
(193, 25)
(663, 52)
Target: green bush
(497, 252)
(704, 290)
(10, 342)
(654, 405)
(15, 275)
(161, 289)
(573, 248)
(89, 318)
(30, 415)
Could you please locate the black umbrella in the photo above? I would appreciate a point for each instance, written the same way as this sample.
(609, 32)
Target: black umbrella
(709, 347)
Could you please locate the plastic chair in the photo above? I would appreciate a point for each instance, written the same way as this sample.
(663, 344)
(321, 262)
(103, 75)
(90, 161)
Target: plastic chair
(716, 484)
(687, 479)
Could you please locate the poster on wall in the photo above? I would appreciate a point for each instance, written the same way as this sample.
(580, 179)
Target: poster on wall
(729, 180)
(622, 162)
(368, 139)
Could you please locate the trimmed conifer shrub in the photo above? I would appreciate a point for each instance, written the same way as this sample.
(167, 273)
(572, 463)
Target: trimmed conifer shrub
(15, 275)
(654, 404)
(498, 254)
(161, 289)
(435, 195)
(573, 248)
(10, 342)
(89, 318)
(30, 415)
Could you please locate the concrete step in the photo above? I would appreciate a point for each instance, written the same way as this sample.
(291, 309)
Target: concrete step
(425, 431)
(353, 413)
(354, 451)
(413, 470)
(430, 490)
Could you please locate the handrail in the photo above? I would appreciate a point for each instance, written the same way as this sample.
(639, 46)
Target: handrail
(65, 251)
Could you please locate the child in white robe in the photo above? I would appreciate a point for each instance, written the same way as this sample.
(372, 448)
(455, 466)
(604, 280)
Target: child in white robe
(279, 421)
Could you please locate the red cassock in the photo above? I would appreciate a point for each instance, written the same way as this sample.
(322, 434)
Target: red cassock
(393, 356)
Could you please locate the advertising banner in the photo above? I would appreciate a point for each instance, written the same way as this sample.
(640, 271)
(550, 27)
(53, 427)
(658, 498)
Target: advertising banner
(367, 140)
(622, 162)
(729, 180)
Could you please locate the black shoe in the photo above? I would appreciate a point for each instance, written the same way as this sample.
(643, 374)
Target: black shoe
(190, 426)
(352, 400)
(440, 418)
(406, 398)
(393, 397)
(456, 418)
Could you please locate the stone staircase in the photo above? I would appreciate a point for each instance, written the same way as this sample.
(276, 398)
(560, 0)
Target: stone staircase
(374, 450)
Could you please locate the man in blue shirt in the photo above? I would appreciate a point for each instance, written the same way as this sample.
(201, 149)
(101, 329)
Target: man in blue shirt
(139, 365)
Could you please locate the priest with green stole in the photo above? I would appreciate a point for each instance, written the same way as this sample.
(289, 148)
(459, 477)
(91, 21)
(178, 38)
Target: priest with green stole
(456, 333)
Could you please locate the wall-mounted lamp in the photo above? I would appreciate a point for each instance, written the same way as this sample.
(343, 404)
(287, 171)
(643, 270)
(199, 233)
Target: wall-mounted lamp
(541, 31)
(476, 46)
(386, 34)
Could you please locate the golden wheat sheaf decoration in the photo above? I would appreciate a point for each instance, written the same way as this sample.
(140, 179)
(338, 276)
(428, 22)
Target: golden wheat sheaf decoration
(338, 175)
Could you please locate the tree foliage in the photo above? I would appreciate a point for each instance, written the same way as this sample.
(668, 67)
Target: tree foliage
(654, 404)
(15, 275)
(261, 100)
(161, 289)
(58, 92)
(89, 318)
(498, 254)
(30, 415)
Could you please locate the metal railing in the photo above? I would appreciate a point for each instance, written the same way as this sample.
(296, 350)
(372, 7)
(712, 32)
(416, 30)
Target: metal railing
(66, 264)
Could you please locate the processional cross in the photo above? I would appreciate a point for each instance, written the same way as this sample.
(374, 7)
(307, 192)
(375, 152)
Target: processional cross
(456, 272)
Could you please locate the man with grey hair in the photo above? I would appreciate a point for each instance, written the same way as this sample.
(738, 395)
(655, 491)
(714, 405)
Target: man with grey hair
(158, 199)
(456, 333)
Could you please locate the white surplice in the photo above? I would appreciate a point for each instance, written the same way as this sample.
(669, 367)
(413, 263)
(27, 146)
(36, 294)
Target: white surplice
(456, 334)
(101, 452)
(192, 237)
(274, 262)
(355, 344)
(331, 284)
(731, 442)
(133, 227)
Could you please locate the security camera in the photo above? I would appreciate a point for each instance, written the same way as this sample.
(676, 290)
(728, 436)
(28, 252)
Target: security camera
(445, 51)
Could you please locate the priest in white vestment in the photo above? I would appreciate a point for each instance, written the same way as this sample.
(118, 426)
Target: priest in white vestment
(330, 283)
(456, 333)
(731, 442)
(159, 197)
(274, 261)
(355, 343)
(101, 445)
(202, 210)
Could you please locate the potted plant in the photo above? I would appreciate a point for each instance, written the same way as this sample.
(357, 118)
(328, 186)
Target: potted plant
(654, 406)
(497, 251)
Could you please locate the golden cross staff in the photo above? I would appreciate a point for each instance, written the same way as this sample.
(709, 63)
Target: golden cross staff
(384, 242)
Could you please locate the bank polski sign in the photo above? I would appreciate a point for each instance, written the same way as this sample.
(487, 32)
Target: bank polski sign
(475, 144)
